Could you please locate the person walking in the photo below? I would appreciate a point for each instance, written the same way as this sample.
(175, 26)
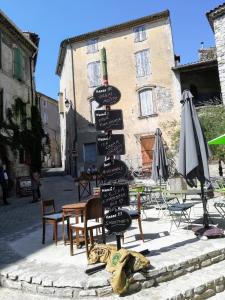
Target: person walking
(35, 182)
(3, 183)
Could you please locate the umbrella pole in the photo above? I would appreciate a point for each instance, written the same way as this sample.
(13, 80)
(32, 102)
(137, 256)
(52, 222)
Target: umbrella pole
(204, 203)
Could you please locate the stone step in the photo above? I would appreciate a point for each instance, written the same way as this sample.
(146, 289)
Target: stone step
(202, 275)
(200, 284)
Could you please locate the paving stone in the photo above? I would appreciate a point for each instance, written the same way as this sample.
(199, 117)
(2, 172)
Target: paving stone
(189, 293)
(134, 287)
(95, 282)
(220, 288)
(45, 290)
(206, 263)
(105, 291)
(11, 284)
(208, 293)
(138, 277)
(148, 284)
(30, 288)
(86, 293)
(217, 258)
(214, 253)
(200, 289)
(64, 292)
(67, 281)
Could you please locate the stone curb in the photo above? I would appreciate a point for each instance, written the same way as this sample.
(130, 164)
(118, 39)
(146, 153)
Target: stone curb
(13, 279)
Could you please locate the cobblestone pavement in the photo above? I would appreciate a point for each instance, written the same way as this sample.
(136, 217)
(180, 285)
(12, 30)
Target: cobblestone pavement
(22, 217)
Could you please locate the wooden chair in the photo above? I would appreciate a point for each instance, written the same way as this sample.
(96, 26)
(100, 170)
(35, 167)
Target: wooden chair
(135, 214)
(50, 216)
(94, 211)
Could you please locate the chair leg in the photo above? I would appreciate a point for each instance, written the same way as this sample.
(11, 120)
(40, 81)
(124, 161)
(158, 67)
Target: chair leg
(91, 237)
(86, 241)
(71, 241)
(56, 232)
(140, 228)
(103, 235)
(43, 232)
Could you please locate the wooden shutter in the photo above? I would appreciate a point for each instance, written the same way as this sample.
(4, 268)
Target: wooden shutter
(17, 63)
(97, 75)
(147, 144)
(90, 153)
(139, 70)
(145, 62)
(146, 102)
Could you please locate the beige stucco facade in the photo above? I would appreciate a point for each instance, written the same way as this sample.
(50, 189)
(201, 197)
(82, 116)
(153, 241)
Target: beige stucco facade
(120, 50)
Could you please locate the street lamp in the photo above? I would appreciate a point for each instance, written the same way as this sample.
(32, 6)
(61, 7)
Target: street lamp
(67, 103)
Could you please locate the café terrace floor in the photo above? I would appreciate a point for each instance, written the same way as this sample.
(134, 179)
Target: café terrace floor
(52, 266)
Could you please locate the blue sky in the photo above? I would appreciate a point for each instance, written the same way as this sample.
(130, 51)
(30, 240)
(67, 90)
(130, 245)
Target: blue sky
(55, 20)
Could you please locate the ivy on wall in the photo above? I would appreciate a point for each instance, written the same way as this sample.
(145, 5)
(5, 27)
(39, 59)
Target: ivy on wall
(16, 133)
(212, 119)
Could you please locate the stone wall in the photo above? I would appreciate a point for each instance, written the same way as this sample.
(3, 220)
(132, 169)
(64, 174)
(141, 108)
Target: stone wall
(219, 28)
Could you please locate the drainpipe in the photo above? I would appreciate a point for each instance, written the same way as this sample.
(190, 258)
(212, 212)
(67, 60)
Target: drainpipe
(75, 110)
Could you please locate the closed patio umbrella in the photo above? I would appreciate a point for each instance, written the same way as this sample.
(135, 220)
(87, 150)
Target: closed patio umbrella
(160, 163)
(193, 150)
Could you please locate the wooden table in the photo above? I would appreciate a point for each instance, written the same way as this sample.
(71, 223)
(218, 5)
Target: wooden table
(73, 209)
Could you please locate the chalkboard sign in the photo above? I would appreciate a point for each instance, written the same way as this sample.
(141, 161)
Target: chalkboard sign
(23, 186)
(117, 221)
(114, 195)
(113, 169)
(110, 145)
(106, 95)
(109, 119)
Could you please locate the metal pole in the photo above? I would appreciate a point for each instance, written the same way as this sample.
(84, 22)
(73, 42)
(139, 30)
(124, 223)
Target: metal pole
(204, 203)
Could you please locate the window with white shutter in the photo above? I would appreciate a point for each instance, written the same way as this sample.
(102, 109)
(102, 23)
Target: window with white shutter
(147, 106)
(92, 46)
(94, 75)
(94, 106)
(142, 63)
(139, 34)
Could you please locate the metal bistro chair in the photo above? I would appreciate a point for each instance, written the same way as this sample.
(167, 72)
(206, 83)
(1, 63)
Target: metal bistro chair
(94, 211)
(50, 216)
(135, 214)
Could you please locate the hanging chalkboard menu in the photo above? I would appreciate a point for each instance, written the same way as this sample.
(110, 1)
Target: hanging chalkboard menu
(113, 169)
(109, 119)
(117, 221)
(110, 144)
(115, 195)
(106, 95)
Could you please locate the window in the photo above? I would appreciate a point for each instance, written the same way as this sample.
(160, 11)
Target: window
(18, 64)
(90, 154)
(147, 107)
(94, 106)
(142, 63)
(1, 106)
(139, 34)
(92, 46)
(45, 117)
(94, 74)
(45, 104)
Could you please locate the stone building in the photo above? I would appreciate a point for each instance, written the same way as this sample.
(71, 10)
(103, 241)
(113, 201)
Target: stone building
(140, 58)
(18, 52)
(50, 119)
(216, 19)
(201, 78)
